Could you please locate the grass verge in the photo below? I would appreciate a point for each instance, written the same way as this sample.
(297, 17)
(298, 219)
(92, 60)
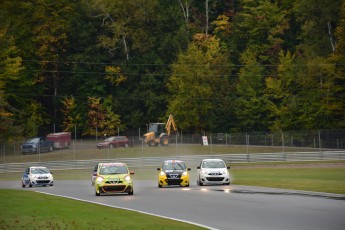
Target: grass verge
(31, 210)
(329, 180)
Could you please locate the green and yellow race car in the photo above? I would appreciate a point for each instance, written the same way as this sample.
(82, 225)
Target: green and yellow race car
(113, 178)
(173, 172)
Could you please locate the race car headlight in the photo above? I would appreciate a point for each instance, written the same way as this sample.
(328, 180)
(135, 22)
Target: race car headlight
(162, 173)
(99, 179)
(225, 172)
(184, 173)
(203, 171)
(127, 178)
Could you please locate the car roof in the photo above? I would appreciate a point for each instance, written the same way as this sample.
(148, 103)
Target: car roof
(212, 160)
(32, 167)
(174, 161)
(112, 164)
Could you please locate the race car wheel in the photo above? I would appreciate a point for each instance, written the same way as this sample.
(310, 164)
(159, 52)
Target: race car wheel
(23, 185)
(131, 192)
(159, 185)
(97, 193)
(30, 185)
(200, 183)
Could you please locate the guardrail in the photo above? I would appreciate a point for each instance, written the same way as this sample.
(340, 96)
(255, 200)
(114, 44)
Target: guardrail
(191, 160)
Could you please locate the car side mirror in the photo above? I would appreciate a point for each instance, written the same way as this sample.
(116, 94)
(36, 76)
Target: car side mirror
(228, 167)
(198, 167)
(131, 172)
(188, 169)
(159, 169)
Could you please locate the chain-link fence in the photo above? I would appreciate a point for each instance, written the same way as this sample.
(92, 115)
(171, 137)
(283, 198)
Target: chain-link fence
(185, 144)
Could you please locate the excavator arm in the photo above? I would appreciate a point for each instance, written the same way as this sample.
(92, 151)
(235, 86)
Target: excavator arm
(170, 125)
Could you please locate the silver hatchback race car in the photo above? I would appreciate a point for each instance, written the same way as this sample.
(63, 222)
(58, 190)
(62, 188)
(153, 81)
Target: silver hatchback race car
(213, 171)
(37, 176)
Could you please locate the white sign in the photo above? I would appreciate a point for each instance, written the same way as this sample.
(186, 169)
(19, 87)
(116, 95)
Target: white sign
(204, 140)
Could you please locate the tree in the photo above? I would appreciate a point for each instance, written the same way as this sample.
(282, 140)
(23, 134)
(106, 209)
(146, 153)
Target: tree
(197, 79)
(11, 72)
(338, 59)
(72, 118)
(101, 119)
(126, 26)
(300, 94)
(261, 26)
(317, 20)
(251, 106)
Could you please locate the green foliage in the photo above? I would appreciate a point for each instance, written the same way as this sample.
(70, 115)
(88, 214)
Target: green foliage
(102, 121)
(262, 26)
(244, 65)
(197, 79)
(251, 103)
(72, 118)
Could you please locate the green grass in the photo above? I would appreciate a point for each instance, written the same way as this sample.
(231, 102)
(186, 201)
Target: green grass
(31, 210)
(330, 180)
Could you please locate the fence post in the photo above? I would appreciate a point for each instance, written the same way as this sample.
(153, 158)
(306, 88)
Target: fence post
(320, 146)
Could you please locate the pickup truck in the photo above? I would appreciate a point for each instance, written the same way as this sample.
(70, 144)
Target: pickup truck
(37, 145)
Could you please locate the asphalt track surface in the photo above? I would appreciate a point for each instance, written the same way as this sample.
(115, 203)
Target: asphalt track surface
(216, 207)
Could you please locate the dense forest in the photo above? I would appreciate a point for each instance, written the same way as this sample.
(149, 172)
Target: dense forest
(216, 65)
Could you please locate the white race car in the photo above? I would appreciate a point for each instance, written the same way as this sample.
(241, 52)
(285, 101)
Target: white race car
(37, 175)
(213, 171)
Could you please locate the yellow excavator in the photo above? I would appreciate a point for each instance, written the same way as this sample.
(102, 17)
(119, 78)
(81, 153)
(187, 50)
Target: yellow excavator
(159, 133)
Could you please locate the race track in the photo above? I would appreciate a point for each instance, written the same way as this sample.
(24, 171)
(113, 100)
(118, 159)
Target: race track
(217, 207)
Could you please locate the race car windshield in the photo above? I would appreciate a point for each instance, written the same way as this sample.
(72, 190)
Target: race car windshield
(111, 170)
(174, 166)
(213, 164)
(39, 171)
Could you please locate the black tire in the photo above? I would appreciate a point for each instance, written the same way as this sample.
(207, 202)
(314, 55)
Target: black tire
(131, 192)
(97, 193)
(200, 183)
(164, 141)
(23, 185)
(159, 186)
(151, 143)
(30, 185)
